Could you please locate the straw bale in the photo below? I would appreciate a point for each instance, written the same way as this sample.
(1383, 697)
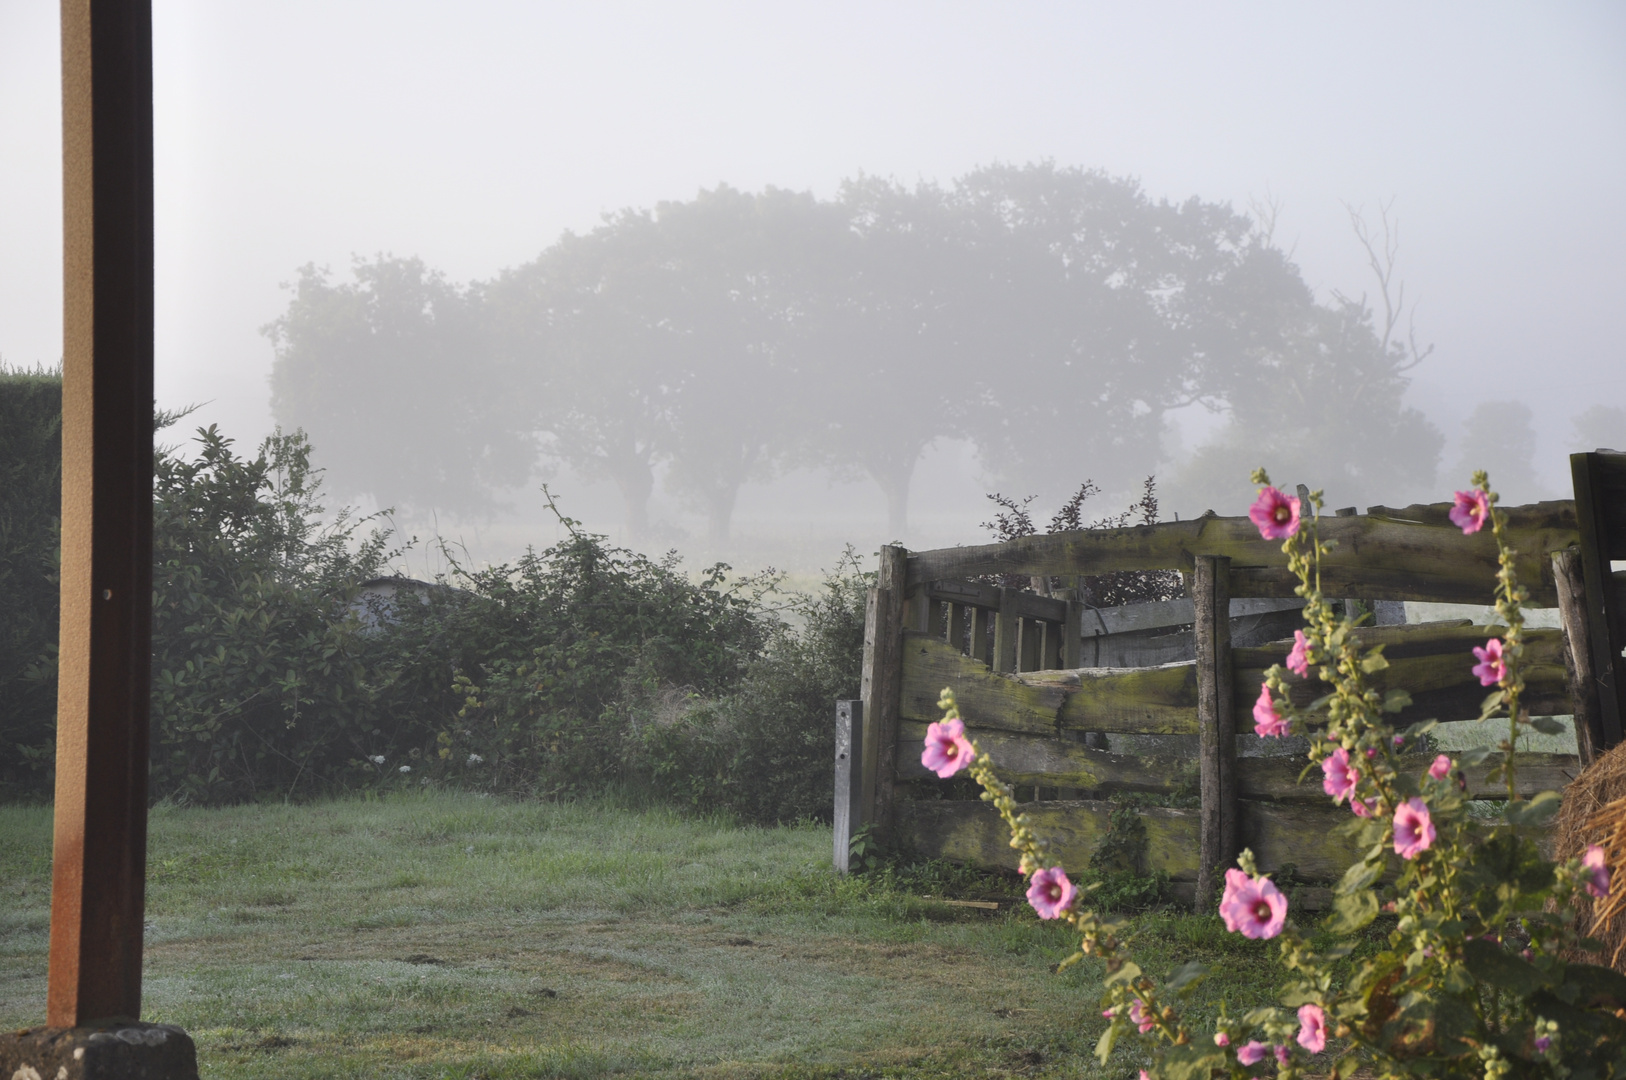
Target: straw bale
(1594, 812)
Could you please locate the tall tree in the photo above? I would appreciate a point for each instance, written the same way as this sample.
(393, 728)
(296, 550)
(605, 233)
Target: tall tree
(392, 377)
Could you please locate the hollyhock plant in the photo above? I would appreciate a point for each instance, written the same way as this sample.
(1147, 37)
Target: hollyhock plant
(1442, 908)
(1595, 872)
(1298, 660)
(1312, 1028)
(1276, 514)
(1252, 906)
(1414, 829)
(1339, 777)
(947, 749)
(1050, 892)
(1492, 666)
(1470, 511)
(1267, 721)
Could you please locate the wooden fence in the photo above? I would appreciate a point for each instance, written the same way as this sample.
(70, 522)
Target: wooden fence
(1040, 679)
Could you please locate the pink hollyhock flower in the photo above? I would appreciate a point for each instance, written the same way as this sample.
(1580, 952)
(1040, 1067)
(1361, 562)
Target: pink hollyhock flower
(1441, 768)
(1143, 1020)
(1364, 807)
(1491, 668)
(1312, 1028)
(1266, 720)
(1144, 1075)
(1050, 892)
(1544, 1044)
(1276, 515)
(1298, 661)
(1252, 906)
(1281, 1055)
(1414, 829)
(1595, 872)
(1252, 1053)
(1221, 1039)
(1470, 511)
(1339, 778)
(947, 749)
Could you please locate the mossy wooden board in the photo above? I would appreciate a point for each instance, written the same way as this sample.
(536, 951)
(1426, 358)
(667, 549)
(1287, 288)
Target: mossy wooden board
(971, 832)
(1049, 761)
(1377, 558)
(1160, 700)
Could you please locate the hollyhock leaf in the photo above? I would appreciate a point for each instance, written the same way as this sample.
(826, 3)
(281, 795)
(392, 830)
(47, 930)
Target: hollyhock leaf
(1128, 973)
(1374, 663)
(1548, 725)
(1351, 911)
(1187, 976)
(1536, 811)
(1395, 700)
(1360, 875)
(1478, 755)
(1489, 963)
(1103, 1046)
(1492, 702)
(1346, 1067)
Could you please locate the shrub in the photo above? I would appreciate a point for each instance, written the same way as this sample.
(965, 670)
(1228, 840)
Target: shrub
(30, 508)
(765, 752)
(260, 681)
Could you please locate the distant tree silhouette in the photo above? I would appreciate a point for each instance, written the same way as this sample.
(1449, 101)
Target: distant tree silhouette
(1500, 437)
(392, 378)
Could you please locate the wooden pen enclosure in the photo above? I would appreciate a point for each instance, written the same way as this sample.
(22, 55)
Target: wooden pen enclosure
(1028, 672)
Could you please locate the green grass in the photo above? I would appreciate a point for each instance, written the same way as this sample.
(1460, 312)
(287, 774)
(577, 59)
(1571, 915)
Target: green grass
(454, 936)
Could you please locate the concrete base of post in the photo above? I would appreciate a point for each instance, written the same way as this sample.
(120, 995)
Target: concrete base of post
(114, 1051)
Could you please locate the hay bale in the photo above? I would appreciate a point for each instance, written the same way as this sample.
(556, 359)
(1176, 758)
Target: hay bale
(1594, 808)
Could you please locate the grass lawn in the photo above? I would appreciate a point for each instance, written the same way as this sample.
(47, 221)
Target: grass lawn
(444, 935)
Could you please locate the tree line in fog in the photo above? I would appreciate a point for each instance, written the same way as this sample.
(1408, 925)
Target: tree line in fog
(1053, 316)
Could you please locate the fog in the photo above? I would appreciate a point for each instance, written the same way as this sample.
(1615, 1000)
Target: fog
(472, 137)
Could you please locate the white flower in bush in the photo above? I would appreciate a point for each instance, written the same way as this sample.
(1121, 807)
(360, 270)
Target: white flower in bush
(475, 759)
(406, 768)
(377, 759)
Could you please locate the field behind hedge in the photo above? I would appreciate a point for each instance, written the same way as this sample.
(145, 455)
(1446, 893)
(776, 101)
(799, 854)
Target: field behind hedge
(441, 935)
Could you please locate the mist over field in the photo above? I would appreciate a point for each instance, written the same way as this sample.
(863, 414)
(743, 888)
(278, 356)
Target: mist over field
(753, 282)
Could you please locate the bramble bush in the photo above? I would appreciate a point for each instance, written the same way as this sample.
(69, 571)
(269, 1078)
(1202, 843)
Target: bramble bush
(1474, 978)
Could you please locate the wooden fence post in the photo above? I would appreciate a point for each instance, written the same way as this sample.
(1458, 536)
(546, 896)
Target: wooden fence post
(1600, 514)
(883, 685)
(1578, 653)
(1072, 636)
(1216, 724)
(849, 809)
(1006, 632)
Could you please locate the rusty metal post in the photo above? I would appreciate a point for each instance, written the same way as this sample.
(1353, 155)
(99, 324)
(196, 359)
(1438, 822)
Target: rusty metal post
(99, 861)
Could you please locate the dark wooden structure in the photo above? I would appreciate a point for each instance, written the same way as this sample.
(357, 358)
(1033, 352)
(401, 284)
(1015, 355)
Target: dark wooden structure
(1012, 659)
(93, 1001)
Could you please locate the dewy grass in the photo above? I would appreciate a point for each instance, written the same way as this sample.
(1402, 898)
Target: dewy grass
(439, 935)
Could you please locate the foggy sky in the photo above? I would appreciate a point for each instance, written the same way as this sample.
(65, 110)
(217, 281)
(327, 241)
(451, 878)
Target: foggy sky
(471, 134)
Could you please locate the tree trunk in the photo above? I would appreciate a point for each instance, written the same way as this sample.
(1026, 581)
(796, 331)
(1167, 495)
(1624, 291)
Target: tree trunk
(637, 483)
(720, 512)
(894, 484)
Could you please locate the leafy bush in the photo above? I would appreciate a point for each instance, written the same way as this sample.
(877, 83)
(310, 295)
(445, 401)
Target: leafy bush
(524, 677)
(765, 752)
(260, 677)
(30, 507)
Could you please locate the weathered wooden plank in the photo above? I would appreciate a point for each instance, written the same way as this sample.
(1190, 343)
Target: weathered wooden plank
(1132, 617)
(1600, 498)
(971, 832)
(1434, 663)
(987, 699)
(880, 685)
(1578, 656)
(1276, 778)
(1051, 761)
(1376, 558)
(1006, 630)
(1147, 701)
(1216, 724)
(849, 805)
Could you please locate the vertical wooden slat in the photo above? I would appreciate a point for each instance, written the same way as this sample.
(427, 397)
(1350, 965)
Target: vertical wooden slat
(1030, 634)
(1005, 632)
(849, 808)
(1072, 636)
(1600, 512)
(1052, 646)
(1578, 652)
(982, 635)
(99, 857)
(957, 631)
(1216, 720)
(917, 609)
